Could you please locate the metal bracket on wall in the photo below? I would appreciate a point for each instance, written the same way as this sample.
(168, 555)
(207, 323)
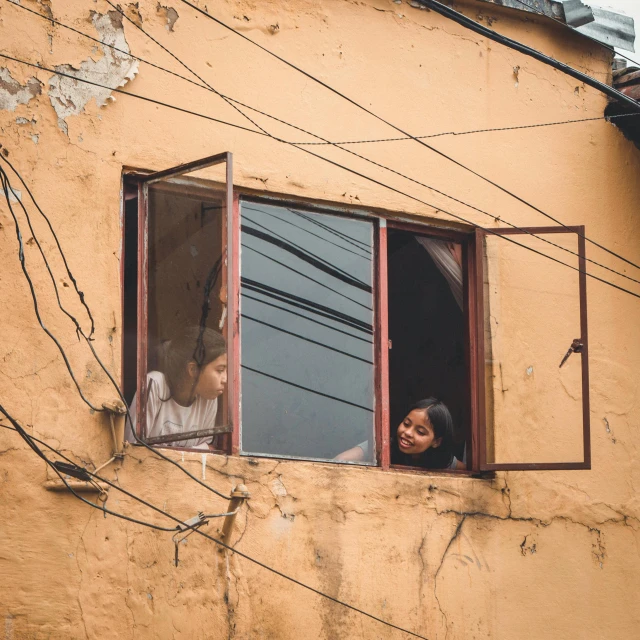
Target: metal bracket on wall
(238, 496)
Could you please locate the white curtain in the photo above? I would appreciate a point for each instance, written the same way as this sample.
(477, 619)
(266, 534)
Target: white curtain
(448, 266)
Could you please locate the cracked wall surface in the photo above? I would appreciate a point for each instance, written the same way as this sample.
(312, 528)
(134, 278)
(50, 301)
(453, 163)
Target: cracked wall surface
(519, 555)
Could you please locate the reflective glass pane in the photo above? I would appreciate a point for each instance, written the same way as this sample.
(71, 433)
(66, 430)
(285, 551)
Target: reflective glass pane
(186, 313)
(532, 315)
(306, 333)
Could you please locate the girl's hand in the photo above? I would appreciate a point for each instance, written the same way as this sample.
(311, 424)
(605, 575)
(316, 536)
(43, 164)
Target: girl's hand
(351, 455)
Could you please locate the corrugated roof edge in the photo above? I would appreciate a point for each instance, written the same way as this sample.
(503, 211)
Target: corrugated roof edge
(608, 27)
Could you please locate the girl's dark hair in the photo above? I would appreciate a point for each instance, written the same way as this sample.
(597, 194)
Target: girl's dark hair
(442, 423)
(207, 344)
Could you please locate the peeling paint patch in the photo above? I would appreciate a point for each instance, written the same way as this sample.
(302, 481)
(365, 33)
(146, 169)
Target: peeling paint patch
(12, 93)
(278, 489)
(133, 11)
(169, 14)
(69, 97)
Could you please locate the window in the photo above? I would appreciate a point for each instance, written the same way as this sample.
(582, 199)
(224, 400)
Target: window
(337, 321)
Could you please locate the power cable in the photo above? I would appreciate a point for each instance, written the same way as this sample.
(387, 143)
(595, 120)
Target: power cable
(6, 185)
(307, 256)
(293, 224)
(361, 175)
(29, 439)
(309, 389)
(300, 315)
(297, 335)
(281, 242)
(343, 142)
(326, 142)
(306, 277)
(234, 104)
(491, 34)
(305, 304)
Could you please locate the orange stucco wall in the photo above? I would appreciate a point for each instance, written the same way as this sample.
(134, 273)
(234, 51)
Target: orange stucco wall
(522, 555)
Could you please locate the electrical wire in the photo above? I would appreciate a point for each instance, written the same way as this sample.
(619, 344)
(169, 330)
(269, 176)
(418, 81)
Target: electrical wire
(546, 240)
(297, 335)
(306, 277)
(6, 185)
(272, 215)
(234, 104)
(326, 142)
(300, 315)
(493, 35)
(293, 248)
(303, 388)
(368, 178)
(30, 441)
(305, 304)
(343, 142)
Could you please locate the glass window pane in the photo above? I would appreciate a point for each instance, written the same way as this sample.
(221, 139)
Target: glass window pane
(532, 314)
(306, 333)
(185, 314)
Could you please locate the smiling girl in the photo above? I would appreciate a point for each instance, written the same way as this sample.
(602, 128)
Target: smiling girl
(423, 439)
(184, 396)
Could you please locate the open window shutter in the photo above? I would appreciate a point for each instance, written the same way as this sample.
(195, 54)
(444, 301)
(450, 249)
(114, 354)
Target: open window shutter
(169, 181)
(532, 312)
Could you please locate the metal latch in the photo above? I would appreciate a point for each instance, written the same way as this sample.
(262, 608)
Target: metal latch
(576, 347)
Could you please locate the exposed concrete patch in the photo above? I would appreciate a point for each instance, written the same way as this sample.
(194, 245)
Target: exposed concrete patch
(69, 97)
(169, 14)
(12, 93)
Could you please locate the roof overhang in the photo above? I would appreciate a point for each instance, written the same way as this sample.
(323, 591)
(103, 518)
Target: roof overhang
(608, 27)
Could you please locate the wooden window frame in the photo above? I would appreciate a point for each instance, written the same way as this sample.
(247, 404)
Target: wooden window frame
(472, 242)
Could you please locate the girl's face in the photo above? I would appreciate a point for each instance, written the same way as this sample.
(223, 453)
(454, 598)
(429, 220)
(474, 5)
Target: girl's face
(415, 433)
(212, 379)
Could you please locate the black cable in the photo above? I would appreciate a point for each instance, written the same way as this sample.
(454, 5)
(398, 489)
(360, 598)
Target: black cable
(300, 315)
(466, 221)
(307, 305)
(434, 135)
(197, 529)
(21, 257)
(133, 95)
(298, 386)
(308, 253)
(220, 95)
(604, 45)
(57, 241)
(155, 451)
(491, 34)
(303, 275)
(25, 436)
(293, 224)
(326, 142)
(297, 335)
(363, 246)
(306, 256)
(361, 175)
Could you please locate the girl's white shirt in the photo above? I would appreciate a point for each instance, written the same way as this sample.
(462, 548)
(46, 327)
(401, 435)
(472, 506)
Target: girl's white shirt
(166, 417)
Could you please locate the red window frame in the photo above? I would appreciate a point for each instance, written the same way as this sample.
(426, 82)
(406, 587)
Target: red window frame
(482, 463)
(144, 181)
(472, 241)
